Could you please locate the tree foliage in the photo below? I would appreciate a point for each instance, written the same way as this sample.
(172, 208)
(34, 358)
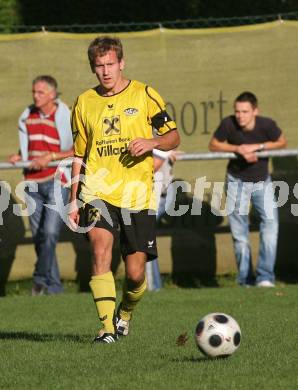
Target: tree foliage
(67, 12)
(9, 12)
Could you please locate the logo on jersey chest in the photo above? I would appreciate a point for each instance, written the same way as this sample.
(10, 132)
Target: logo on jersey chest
(111, 126)
(131, 111)
(110, 150)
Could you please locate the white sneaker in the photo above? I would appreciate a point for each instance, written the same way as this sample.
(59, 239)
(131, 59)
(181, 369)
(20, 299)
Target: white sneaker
(265, 283)
(37, 289)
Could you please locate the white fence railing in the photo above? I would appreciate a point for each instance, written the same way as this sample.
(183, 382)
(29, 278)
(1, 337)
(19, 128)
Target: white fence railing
(180, 157)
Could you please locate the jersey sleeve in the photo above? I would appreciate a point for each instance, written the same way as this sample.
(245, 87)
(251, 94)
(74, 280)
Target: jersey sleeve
(157, 115)
(222, 132)
(273, 131)
(78, 131)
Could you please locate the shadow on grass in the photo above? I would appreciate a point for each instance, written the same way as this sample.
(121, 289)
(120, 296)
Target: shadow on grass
(200, 359)
(42, 337)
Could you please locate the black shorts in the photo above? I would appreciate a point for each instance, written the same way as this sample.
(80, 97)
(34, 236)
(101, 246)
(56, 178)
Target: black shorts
(137, 229)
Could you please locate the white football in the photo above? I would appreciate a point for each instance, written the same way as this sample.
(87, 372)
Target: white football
(218, 335)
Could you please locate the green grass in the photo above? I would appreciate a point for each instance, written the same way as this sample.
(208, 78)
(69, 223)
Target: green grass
(45, 342)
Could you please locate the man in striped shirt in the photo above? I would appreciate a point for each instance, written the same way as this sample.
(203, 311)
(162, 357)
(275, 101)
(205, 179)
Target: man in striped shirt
(45, 136)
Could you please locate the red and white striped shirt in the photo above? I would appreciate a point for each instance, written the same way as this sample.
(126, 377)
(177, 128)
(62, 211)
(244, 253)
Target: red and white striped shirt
(43, 138)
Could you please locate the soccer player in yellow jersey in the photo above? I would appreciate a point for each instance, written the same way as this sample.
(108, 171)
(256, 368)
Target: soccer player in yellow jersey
(112, 127)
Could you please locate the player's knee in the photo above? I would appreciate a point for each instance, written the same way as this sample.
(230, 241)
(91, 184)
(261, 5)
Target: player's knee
(100, 253)
(135, 276)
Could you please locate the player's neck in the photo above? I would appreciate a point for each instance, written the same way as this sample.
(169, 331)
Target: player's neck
(117, 88)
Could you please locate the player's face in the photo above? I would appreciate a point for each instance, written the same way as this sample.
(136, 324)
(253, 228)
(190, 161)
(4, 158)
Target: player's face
(108, 70)
(43, 95)
(245, 114)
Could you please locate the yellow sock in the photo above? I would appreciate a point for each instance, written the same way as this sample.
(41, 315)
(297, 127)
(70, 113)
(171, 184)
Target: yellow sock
(130, 298)
(104, 294)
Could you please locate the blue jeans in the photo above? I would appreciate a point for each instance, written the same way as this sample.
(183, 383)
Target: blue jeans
(46, 225)
(261, 195)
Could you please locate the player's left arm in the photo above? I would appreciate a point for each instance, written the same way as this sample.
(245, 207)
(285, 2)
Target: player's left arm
(167, 135)
(280, 143)
(167, 141)
(249, 151)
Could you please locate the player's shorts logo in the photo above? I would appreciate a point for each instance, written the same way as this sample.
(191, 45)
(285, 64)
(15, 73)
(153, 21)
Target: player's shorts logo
(150, 244)
(94, 214)
(111, 126)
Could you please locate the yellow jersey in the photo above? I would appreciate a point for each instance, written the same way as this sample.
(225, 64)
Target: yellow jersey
(103, 127)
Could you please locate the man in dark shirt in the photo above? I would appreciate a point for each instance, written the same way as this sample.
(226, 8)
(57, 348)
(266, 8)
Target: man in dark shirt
(248, 179)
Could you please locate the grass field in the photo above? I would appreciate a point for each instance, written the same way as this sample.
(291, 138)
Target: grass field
(46, 342)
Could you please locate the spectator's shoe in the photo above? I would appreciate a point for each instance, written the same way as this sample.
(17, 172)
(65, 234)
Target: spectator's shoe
(37, 289)
(122, 326)
(106, 338)
(265, 283)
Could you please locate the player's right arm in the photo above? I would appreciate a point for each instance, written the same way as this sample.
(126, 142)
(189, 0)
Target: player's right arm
(73, 212)
(246, 151)
(13, 158)
(222, 146)
(80, 145)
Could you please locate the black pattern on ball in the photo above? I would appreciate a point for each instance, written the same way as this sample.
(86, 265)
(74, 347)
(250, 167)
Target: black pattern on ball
(199, 328)
(237, 338)
(221, 318)
(215, 340)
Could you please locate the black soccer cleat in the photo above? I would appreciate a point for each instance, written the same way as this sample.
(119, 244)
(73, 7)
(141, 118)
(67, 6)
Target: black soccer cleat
(107, 338)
